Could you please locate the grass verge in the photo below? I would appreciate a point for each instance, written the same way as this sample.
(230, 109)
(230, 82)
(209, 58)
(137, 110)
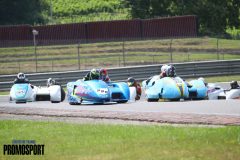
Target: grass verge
(221, 78)
(115, 54)
(78, 141)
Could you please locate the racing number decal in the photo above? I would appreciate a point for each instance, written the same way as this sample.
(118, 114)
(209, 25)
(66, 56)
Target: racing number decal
(102, 91)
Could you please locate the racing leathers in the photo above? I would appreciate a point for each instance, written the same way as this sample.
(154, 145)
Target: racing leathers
(105, 78)
(138, 89)
(90, 76)
(17, 80)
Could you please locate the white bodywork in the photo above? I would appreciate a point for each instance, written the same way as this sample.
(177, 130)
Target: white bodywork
(133, 94)
(231, 94)
(53, 93)
(217, 92)
(30, 95)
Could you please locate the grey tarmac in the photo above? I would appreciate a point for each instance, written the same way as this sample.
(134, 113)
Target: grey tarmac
(210, 112)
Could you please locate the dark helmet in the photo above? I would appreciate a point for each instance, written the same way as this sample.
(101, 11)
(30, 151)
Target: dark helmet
(103, 71)
(171, 71)
(234, 85)
(131, 81)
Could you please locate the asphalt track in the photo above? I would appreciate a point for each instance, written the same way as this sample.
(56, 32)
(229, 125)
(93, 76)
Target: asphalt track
(133, 110)
(214, 107)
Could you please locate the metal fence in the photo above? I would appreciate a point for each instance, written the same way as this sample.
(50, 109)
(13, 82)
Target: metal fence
(84, 56)
(184, 70)
(118, 30)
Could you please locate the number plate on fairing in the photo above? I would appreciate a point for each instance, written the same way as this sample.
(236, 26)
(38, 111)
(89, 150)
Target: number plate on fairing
(102, 91)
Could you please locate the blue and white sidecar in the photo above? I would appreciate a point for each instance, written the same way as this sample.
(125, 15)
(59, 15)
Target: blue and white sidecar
(173, 88)
(165, 88)
(22, 93)
(25, 92)
(97, 92)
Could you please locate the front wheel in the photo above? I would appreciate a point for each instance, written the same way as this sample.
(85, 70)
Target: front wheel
(21, 102)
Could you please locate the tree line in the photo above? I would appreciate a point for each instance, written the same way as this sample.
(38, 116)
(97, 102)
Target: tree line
(214, 16)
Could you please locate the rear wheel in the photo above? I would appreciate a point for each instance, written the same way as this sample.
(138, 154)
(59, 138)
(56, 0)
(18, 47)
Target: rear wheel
(198, 99)
(122, 101)
(63, 94)
(74, 103)
(55, 101)
(152, 100)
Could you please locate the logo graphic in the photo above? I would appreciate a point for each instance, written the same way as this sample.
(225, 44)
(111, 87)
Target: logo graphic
(23, 147)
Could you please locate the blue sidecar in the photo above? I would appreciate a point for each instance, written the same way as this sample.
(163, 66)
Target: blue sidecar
(97, 92)
(197, 89)
(173, 88)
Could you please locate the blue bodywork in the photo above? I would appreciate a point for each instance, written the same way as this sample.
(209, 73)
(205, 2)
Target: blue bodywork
(19, 92)
(173, 89)
(198, 89)
(97, 92)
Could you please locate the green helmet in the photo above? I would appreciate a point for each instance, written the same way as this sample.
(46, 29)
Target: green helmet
(95, 73)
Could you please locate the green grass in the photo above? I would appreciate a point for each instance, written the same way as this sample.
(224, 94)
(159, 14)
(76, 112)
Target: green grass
(221, 78)
(4, 92)
(86, 141)
(110, 54)
(72, 11)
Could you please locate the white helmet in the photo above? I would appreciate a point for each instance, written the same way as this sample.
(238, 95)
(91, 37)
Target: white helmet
(164, 68)
(202, 79)
(21, 76)
(50, 82)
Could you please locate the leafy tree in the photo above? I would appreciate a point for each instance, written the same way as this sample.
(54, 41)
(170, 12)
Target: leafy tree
(140, 8)
(215, 16)
(22, 11)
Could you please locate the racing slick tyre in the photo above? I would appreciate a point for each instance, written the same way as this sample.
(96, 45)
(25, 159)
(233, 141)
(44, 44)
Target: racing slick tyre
(55, 101)
(63, 94)
(74, 103)
(21, 102)
(152, 100)
(123, 101)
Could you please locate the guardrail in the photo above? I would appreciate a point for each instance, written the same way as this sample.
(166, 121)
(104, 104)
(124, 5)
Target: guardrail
(184, 70)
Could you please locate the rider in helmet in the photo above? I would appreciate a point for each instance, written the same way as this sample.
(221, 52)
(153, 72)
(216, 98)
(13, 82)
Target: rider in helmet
(51, 82)
(202, 79)
(163, 73)
(234, 85)
(171, 71)
(133, 83)
(21, 78)
(104, 75)
(164, 69)
(93, 74)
